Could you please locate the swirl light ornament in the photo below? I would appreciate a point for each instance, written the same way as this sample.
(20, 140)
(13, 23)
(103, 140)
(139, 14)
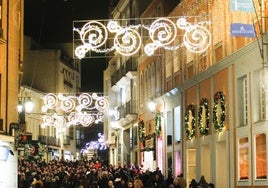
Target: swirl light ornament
(67, 110)
(196, 38)
(162, 32)
(93, 35)
(127, 40)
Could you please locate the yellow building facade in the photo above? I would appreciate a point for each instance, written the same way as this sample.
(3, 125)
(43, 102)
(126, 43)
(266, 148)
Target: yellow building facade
(11, 43)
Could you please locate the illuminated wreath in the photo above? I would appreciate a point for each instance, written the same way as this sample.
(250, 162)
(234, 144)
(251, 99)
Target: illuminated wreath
(189, 120)
(203, 117)
(219, 113)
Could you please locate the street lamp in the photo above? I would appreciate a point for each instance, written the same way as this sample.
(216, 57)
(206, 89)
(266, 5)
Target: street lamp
(152, 106)
(25, 105)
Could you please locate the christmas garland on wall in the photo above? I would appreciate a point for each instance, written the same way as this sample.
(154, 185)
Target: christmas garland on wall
(189, 121)
(219, 111)
(203, 117)
(141, 130)
(157, 123)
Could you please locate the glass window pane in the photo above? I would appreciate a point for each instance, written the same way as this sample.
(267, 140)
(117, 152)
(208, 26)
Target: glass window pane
(261, 156)
(243, 158)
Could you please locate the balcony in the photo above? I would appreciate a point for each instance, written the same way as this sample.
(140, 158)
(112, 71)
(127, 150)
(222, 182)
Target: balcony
(66, 140)
(67, 83)
(49, 140)
(128, 112)
(127, 71)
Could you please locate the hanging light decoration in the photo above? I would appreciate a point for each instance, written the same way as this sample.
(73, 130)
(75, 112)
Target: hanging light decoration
(66, 110)
(128, 40)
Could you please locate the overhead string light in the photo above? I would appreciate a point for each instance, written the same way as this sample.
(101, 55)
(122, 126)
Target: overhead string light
(128, 40)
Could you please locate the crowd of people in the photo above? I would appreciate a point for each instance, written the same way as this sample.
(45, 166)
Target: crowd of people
(89, 174)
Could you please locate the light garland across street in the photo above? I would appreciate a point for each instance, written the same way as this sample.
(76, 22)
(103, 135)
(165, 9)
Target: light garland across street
(104, 36)
(66, 110)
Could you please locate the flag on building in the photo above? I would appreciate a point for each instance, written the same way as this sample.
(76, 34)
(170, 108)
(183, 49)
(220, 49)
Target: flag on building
(242, 5)
(245, 30)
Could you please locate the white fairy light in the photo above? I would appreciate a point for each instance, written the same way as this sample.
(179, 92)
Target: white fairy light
(84, 109)
(127, 40)
(162, 32)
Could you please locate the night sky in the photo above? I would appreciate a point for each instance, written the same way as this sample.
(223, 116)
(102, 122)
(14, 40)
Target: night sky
(51, 21)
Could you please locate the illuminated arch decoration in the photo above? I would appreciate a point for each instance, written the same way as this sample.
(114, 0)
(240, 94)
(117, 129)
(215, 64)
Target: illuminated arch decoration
(128, 39)
(66, 110)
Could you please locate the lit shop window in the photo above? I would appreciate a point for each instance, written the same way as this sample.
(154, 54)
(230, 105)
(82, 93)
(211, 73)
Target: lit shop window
(261, 156)
(243, 158)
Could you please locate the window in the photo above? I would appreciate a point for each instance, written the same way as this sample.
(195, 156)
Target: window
(177, 124)
(243, 158)
(258, 109)
(242, 99)
(169, 63)
(218, 52)
(203, 64)
(169, 127)
(176, 62)
(158, 76)
(261, 156)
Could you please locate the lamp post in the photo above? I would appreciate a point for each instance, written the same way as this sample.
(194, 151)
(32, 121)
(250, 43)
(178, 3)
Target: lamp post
(25, 105)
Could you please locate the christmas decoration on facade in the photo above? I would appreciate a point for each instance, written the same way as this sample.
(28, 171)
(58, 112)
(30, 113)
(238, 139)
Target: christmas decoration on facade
(129, 39)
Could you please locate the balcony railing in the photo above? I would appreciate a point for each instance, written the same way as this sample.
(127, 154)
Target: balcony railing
(49, 140)
(67, 83)
(129, 66)
(128, 109)
(66, 140)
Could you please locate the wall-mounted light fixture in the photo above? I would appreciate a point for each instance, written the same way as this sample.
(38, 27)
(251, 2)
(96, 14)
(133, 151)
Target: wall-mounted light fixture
(152, 106)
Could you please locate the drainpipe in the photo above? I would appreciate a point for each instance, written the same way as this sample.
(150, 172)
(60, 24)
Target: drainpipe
(7, 68)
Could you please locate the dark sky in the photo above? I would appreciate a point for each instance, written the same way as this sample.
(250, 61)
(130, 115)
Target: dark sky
(51, 21)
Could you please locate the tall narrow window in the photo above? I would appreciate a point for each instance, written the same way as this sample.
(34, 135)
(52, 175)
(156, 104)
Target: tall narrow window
(243, 158)
(169, 127)
(242, 99)
(177, 124)
(261, 156)
(245, 97)
(158, 77)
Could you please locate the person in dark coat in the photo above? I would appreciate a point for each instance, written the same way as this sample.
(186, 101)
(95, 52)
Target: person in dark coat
(202, 182)
(193, 184)
(147, 179)
(159, 181)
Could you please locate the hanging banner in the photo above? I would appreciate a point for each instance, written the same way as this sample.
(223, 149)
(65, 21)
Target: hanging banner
(239, 29)
(242, 5)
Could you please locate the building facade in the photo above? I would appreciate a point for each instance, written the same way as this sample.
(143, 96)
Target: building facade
(210, 115)
(11, 50)
(48, 71)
